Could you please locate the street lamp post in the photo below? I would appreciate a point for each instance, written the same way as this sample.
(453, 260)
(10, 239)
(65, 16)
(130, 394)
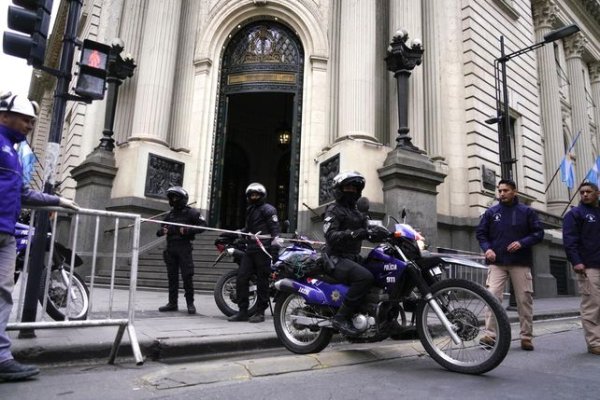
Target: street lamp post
(401, 59)
(119, 69)
(501, 86)
(502, 113)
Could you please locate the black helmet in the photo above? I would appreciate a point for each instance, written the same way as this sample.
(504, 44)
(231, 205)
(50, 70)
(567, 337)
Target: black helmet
(256, 187)
(178, 196)
(349, 178)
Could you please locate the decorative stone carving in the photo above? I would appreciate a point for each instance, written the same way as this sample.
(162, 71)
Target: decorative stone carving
(594, 69)
(161, 174)
(544, 13)
(574, 45)
(327, 171)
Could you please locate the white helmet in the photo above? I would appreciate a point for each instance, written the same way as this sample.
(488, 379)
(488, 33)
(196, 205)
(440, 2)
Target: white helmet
(256, 187)
(18, 104)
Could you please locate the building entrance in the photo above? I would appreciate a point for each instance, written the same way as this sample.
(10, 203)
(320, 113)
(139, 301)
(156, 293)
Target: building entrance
(257, 149)
(258, 122)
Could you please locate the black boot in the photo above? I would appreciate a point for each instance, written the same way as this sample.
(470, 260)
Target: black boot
(341, 321)
(168, 307)
(191, 308)
(241, 315)
(259, 316)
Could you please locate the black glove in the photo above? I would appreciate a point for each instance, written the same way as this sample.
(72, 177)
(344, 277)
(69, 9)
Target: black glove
(360, 234)
(274, 252)
(378, 234)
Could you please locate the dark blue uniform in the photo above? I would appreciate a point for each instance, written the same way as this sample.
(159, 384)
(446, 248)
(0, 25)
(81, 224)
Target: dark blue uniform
(581, 232)
(178, 255)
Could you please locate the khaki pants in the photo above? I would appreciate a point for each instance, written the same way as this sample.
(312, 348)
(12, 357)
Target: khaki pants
(522, 283)
(589, 288)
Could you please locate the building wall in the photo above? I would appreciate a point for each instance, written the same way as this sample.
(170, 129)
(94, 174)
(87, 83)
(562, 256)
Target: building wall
(169, 107)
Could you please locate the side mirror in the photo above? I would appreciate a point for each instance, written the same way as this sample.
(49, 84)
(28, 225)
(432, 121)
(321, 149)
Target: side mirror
(363, 205)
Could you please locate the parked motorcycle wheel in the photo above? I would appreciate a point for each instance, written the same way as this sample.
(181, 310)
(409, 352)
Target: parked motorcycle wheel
(296, 336)
(465, 304)
(225, 294)
(79, 302)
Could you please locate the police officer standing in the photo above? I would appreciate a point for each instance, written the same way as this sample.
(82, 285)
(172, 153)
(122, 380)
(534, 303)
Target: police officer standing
(260, 217)
(178, 255)
(581, 228)
(345, 228)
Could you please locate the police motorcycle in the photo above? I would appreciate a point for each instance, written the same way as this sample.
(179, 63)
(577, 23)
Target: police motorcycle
(56, 297)
(230, 245)
(449, 314)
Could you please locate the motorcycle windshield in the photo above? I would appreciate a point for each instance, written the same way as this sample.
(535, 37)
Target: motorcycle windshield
(406, 231)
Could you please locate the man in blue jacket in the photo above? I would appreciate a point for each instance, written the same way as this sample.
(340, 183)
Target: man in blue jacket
(581, 230)
(506, 233)
(17, 117)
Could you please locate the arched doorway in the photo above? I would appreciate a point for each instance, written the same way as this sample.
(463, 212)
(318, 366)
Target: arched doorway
(258, 122)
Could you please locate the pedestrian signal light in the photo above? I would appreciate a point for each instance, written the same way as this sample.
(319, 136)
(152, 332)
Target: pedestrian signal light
(93, 68)
(31, 17)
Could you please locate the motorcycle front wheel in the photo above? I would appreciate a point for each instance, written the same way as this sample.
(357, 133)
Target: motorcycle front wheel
(466, 305)
(56, 298)
(296, 325)
(225, 294)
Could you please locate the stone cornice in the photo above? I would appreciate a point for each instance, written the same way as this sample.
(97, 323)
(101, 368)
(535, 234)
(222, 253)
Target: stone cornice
(592, 7)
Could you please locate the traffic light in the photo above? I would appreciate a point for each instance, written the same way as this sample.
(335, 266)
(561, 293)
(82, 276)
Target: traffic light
(32, 17)
(93, 67)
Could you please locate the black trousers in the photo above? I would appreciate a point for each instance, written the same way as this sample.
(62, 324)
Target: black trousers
(356, 276)
(178, 258)
(254, 263)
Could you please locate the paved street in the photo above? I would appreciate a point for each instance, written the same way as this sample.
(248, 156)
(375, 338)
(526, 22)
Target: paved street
(167, 335)
(558, 368)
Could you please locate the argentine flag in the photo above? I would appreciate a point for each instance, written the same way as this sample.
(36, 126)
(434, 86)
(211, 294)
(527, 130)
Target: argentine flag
(27, 158)
(592, 175)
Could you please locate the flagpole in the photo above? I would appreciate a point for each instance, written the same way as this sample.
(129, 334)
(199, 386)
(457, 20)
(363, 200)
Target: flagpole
(553, 177)
(571, 200)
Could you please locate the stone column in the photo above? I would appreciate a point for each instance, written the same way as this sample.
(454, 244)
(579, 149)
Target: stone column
(574, 46)
(595, 81)
(544, 15)
(432, 110)
(181, 128)
(407, 14)
(358, 68)
(131, 34)
(156, 72)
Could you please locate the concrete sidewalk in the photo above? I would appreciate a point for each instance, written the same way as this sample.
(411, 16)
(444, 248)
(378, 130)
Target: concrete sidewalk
(177, 334)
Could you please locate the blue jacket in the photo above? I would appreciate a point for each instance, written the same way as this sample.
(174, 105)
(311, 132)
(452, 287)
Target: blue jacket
(581, 230)
(503, 224)
(11, 182)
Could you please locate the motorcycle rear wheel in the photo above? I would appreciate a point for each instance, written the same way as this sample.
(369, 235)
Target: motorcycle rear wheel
(466, 305)
(225, 294)
(297, 338)
(56, 306)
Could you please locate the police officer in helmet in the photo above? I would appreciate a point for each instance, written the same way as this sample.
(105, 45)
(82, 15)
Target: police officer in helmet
(260, 217)
(178, 255)
(345, 228)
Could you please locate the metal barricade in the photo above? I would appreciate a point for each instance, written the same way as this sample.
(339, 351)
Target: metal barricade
(58, 281)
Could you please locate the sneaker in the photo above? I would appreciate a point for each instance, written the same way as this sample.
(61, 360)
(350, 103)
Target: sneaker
(168, 307)
(238, 317)
(595, 350)
(11, 370)
(487, 341)
(258, 317)
(191, 309)
(527, 345)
